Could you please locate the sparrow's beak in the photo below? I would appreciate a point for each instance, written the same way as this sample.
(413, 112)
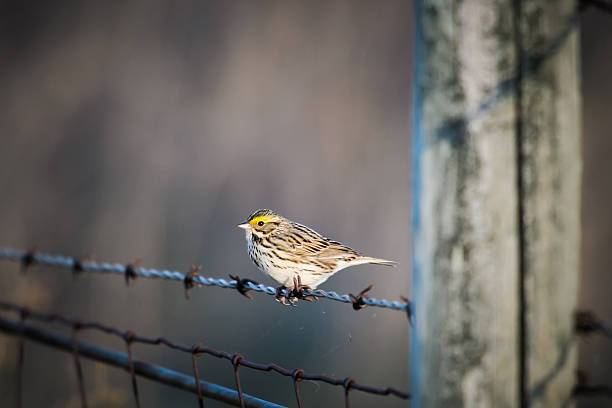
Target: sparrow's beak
(246, 226)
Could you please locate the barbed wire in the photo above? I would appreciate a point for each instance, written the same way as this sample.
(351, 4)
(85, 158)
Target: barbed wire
(597, 4)
(584, 388)
(107, 356)
(587, 322)
(196, 350)
(192, 279)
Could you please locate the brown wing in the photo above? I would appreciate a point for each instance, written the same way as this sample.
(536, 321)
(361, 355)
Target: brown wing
(308, 243)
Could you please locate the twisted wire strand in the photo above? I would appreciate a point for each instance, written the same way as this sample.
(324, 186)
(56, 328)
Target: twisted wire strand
(134, 338)
(67, 262)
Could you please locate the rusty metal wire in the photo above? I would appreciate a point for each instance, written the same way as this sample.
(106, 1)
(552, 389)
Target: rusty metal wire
(236, 360)
(194, 360)
(77, 364)
(153, 372)
(190, 280)
(587, 322)
(601, 5)
(584, 388)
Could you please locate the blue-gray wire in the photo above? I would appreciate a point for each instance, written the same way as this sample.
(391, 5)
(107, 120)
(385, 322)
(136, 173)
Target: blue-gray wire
(106, 267)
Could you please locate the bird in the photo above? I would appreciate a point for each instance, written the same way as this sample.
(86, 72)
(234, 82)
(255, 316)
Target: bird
(292, 253)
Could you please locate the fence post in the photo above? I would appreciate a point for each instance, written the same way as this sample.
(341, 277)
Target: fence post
(550, 163)
(496, 170)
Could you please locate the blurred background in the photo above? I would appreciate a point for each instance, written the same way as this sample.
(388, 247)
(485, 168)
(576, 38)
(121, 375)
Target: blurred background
(151, 129)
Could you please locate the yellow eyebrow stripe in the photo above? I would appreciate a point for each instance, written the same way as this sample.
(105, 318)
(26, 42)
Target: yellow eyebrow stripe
(263, 218)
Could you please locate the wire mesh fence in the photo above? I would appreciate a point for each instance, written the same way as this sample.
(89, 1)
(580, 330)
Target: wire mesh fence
(21, 328)
(24, 329)
(586, 323)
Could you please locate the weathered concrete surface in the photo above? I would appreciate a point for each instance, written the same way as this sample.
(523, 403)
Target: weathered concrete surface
(465, 291)
(551, 172)
(472, 253)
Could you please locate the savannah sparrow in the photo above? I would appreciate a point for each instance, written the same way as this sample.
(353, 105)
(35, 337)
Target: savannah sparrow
(289, 252)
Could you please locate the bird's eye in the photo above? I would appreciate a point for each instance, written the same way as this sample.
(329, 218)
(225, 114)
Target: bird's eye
(260, 223)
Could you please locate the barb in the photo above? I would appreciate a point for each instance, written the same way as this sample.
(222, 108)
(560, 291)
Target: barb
(598, 4)
(241, 285)
(584, 388)
(188, 281)
(347, 384)
(359, 300)
(236, 359)
(587, 322)
(132, 271)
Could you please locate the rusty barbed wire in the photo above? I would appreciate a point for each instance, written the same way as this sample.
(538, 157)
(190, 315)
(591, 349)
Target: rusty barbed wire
(194, 360)
(236, 360)
(584, 388)
(586, 322)
(153, 372)
(192, 279)
(597, 4)
(77, 364)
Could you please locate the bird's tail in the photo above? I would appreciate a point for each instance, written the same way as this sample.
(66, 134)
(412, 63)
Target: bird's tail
(377, 261)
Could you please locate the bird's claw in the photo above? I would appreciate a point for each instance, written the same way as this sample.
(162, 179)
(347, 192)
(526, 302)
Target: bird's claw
(284, 294)
(280, 296)
(298, 291)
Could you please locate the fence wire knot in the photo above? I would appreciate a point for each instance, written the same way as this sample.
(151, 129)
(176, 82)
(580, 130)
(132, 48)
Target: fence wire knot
(128, 336)
(296, 374)
(196, 350)
(242, 285)
(348, 381)
(236, 360)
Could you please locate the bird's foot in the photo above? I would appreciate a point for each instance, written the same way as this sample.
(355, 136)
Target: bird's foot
(290, 297)
(298, 291)
(281, 295)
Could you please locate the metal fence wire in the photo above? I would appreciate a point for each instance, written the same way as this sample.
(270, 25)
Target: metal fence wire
(24, 329)
(193, 279)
